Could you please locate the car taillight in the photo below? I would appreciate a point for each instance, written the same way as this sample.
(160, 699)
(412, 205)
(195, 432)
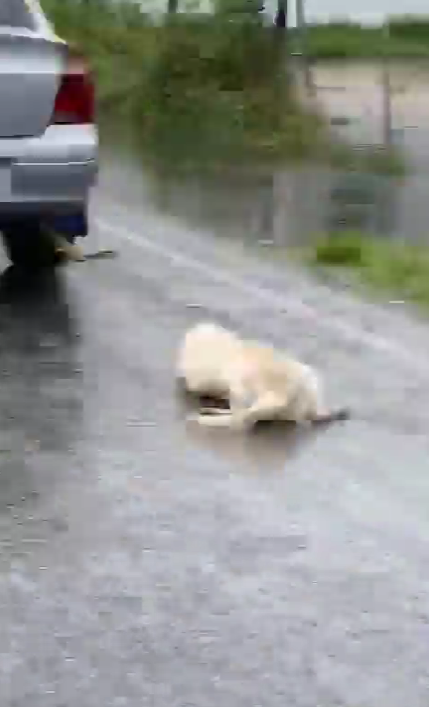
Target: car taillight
(75, 100)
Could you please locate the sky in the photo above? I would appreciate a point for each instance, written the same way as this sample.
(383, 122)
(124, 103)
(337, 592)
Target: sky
(362, 10)
(366, 11)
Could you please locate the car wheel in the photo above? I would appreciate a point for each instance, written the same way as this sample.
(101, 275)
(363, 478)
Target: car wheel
(28, 244)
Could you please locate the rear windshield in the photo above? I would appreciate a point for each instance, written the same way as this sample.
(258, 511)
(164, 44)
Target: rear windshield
(15, 13)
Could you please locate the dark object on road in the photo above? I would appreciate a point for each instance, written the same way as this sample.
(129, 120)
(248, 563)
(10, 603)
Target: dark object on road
(63, 255)
(340, 415)
(103, 254)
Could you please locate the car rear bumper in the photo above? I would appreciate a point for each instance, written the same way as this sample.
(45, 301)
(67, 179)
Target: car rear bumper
(49, 175)
(32, 186)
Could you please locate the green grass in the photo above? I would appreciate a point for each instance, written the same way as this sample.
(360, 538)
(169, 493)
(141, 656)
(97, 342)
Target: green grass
(192, 89)
(408, 39)
(398, 268)
(376, 160)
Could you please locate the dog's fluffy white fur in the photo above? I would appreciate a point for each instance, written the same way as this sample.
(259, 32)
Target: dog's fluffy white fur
(259, 382)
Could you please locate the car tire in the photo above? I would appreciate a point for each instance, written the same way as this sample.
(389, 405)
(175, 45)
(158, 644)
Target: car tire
(29, 245)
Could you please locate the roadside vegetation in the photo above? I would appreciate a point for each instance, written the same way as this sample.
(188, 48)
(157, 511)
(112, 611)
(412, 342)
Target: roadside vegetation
(197, 91)
(398, 268)
(404, 38)
(201, 90)
(190, 86)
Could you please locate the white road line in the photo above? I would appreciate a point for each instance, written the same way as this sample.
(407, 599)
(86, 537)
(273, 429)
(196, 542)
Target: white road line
(294, 305)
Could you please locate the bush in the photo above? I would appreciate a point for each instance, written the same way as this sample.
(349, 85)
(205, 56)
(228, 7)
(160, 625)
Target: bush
(347, 249)
(194, 87)
(409, 37)
(411, 28)
(222, 85)
(399, 268)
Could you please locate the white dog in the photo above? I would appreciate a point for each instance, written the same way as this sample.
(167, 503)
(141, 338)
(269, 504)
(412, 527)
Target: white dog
(258, 382)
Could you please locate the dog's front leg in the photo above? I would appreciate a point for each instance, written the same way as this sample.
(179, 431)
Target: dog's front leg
(266, 407)
(210, 420)
(214, 411)
(233, 418)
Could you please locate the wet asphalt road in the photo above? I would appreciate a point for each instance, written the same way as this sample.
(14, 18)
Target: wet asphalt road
(144, 563)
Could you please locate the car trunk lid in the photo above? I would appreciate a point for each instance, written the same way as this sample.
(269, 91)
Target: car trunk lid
(30, 72)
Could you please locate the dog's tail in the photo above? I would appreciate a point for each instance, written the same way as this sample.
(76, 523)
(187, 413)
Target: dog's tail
(338, 415)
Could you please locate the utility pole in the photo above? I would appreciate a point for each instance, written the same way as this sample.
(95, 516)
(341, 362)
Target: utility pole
(281, 14)
(301, 27)
(386, 89)
(172, 7)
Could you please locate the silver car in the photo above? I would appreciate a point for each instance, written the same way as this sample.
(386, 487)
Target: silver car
(48, 135)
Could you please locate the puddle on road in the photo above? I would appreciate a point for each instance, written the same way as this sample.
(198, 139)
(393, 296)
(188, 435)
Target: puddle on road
(266, 450)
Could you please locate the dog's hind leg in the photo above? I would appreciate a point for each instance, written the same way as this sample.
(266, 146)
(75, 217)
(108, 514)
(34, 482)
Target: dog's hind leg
(221, 417)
